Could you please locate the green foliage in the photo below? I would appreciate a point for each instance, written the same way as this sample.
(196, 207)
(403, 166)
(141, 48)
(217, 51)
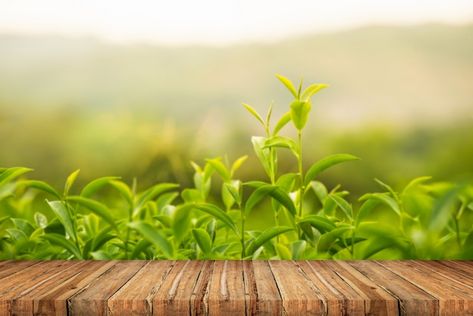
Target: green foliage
(213, 219)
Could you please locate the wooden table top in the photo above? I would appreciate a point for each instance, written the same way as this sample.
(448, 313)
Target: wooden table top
(236, 287)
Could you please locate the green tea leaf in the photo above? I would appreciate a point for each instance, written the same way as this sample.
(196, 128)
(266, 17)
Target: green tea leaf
(221, 169)
(237, 164)
(154, 192)
(203, 240)
(58, 240)
(70, 181)
(384, 198)
(327, 240)
(155, 237)
(281, 142)
(342, 205)
(262, 153)
(300, 113)
(64, 216)
(326, 163)
(42, 186)
(311, 90)
(286, 118)
(288, 84)
(12, 173)
(273, 191)
(266, 236)
(216, 212)
(283, 252)
(92, 187)
(253, 112)
(95, 207)
(40, 219)
(320, 223)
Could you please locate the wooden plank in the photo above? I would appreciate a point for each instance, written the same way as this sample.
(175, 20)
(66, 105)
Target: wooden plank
(299, 295)
(226, 293)
(463, 267)
(198, 301)
(54, 300)
(23, 303)
(261, 291)
(379, 301)
(92, 300)
(344, 296)
(174, 296)
(31, 277)
(10, 267)
(135, 297)
(412, 300)
(447, 272)
(454, 299)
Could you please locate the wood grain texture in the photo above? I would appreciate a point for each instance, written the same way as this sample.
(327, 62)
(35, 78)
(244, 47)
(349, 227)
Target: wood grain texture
(236, 288)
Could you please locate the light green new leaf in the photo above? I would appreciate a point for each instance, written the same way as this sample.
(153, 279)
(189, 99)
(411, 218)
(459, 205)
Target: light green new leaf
(95, 185)
(203, 240)
(266, 236)
(311, 90)
(95, 207)
(282, 142)
(286, 118)
(384, 198)
(41, 220)
(40, 185)
(288, 84)
(262, 153)
(342, 205)
(11, 173)
(70, 181)
(221, 169)
(155, 237)
(59, 240)
(300, 113)
(124, 190)
(154, 192)
(64, 216)
(325, 163)
(273, 191)
(283, 252)
(237, 164)
(253, 112)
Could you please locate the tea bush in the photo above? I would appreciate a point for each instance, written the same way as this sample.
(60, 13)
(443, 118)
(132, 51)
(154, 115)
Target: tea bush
(110, 219)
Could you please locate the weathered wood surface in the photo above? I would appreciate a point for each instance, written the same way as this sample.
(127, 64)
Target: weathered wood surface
(236, 288)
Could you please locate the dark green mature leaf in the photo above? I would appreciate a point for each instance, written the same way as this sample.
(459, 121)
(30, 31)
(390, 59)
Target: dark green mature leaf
(70, 181)
(23, 225)
(12, 173)
(181, 223)
(95, 207)
(155, 237)
(326, 163)
(64, 216)
(59, 240)
(327, 240)
(273, 191)
(203, 240)
(320, 223)
(93, 186)
(266, 236)
(216, 212)
(40, 185)
(289, 85)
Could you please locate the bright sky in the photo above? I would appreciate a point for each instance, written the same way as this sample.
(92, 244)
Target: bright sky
(217, 21)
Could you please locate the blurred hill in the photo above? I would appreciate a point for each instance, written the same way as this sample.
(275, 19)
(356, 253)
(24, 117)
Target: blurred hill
(128, 109)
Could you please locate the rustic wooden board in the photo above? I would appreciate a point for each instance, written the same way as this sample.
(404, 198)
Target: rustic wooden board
(236, 288)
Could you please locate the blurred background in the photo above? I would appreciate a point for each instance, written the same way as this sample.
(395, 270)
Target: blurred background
(138, 89)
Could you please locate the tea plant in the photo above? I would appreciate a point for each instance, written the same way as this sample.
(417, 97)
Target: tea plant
(110, 219)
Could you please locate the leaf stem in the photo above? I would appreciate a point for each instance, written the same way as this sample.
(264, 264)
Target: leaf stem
(301, 175)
